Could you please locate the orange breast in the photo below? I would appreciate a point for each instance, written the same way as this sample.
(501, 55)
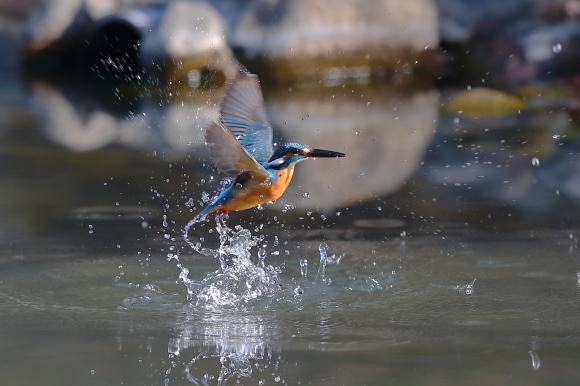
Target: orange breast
(254, 193)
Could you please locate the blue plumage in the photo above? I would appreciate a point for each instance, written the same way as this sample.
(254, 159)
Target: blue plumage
(242, 142)
(244, 114)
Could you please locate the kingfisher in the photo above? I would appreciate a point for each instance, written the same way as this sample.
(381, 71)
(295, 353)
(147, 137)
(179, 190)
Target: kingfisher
(241, 141)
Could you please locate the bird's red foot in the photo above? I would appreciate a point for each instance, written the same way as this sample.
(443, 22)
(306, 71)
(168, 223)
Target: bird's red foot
(222, 211)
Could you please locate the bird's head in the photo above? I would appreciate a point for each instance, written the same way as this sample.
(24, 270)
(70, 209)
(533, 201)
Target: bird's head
(290, 153)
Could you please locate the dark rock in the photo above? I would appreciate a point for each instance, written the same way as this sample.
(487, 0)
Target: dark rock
(179, 40)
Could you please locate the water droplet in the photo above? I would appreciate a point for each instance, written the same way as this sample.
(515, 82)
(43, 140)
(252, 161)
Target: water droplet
(535, 161)
(469, 288)
(456, 121)
(557, 48)
(323, 248)
(261, 256)
(205, 197)
(304, 268)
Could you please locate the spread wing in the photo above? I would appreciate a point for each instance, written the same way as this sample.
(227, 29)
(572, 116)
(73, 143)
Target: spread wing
(244, 114)
(228, 155)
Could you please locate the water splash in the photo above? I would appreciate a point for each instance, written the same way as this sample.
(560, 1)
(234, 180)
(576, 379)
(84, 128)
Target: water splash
(323, 249)
(238, 281)
(467, 289)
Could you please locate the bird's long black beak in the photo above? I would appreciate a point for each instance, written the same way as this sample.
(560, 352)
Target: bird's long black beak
(323, 153)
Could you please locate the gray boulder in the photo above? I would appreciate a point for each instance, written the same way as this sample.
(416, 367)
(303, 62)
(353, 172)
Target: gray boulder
(297, 38)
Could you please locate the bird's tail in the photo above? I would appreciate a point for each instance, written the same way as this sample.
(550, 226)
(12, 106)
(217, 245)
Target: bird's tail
(218, 205)
(211, 208)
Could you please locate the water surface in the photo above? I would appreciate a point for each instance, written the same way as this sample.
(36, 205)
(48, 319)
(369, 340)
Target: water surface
(452, 244)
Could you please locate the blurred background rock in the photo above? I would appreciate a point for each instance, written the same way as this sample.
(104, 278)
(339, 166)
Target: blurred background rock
(398, 85)
(516, 41)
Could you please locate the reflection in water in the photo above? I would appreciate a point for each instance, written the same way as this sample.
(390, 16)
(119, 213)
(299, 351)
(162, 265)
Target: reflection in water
(385, 135)
(230, 343)
(535, 346)
(527, 162)
(82, 122)
(89, 130)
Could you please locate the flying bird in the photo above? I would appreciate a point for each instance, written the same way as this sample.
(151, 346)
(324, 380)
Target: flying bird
(242, 142)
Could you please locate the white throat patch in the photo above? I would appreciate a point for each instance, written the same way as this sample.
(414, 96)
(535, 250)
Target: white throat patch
(276, 162)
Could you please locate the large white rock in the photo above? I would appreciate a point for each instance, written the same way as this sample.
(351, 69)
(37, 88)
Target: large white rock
(298, 28)
(187, 29)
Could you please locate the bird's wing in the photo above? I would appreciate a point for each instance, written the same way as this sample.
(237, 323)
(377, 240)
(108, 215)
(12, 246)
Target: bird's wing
(228, 155)
(244, 114)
